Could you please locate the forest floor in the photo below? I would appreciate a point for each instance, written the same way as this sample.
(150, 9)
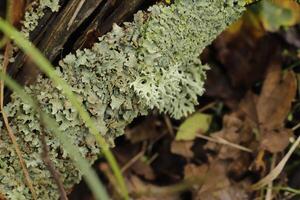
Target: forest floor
(244, 125)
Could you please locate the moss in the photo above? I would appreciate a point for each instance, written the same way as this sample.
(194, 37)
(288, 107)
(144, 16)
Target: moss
(150, 63)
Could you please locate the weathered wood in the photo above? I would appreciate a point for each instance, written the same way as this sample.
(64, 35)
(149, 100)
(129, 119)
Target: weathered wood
(101, 24)
(54, 30)
(66, 23)
(55, 35)
(35, 37)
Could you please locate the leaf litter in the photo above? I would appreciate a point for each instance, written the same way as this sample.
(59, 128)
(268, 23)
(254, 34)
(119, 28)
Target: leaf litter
(221, 151)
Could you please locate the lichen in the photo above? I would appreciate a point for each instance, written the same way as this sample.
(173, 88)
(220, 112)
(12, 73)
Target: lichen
(150, 63)
(35, 13)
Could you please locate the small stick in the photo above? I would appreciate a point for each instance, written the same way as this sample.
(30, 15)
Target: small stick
(132, 161)
(208, 106)
(296, 127)
(169, 125)
(270, 185)
(225, 142)
(55, 174)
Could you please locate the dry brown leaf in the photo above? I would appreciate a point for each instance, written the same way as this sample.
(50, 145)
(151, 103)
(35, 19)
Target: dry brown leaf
(218, 86)
(142, 169)
(268, 111)
(239, 167)
(248, 107)
(250, 55)
(272, 79)
(275, 141)
(236, 131)
(220, 180)
(278, 169)
(277, 94)
(273, 106)
(146, 130)
(195, 171)
(217, 185)
(234, 192)
(182, 148)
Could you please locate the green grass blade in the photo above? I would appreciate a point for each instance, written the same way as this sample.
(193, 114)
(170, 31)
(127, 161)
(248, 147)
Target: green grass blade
(89, 174)
(48, 69)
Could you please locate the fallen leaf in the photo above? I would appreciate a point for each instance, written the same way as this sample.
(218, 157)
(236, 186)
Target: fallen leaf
(275, 141)
(278, 92)
(192, 171)
(250, 55)
(183, 148)
(193, 125)
(234, 192)
(278, 169)
(144, 170)
(217, 186)
(240, 166)
(236, 131)
(248, 106)
(218, 86)
(146, 130)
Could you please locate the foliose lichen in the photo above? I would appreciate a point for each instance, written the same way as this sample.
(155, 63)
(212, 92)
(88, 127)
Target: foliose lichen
(152, 62)
(35, 13)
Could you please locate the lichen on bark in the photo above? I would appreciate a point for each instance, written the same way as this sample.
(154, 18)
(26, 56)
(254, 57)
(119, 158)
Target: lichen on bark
(35, 13)
(150, 63)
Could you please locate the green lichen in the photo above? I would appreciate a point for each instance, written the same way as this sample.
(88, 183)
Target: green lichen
(150, 63)
(35, 13)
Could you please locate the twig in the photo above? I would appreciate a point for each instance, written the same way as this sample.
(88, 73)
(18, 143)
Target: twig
(132, 161)
(28, 181)
(225, 142)
(169, 125)
(270, 185)
(207, 106)
(296, 127)
(152, 158)
(55, 174)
